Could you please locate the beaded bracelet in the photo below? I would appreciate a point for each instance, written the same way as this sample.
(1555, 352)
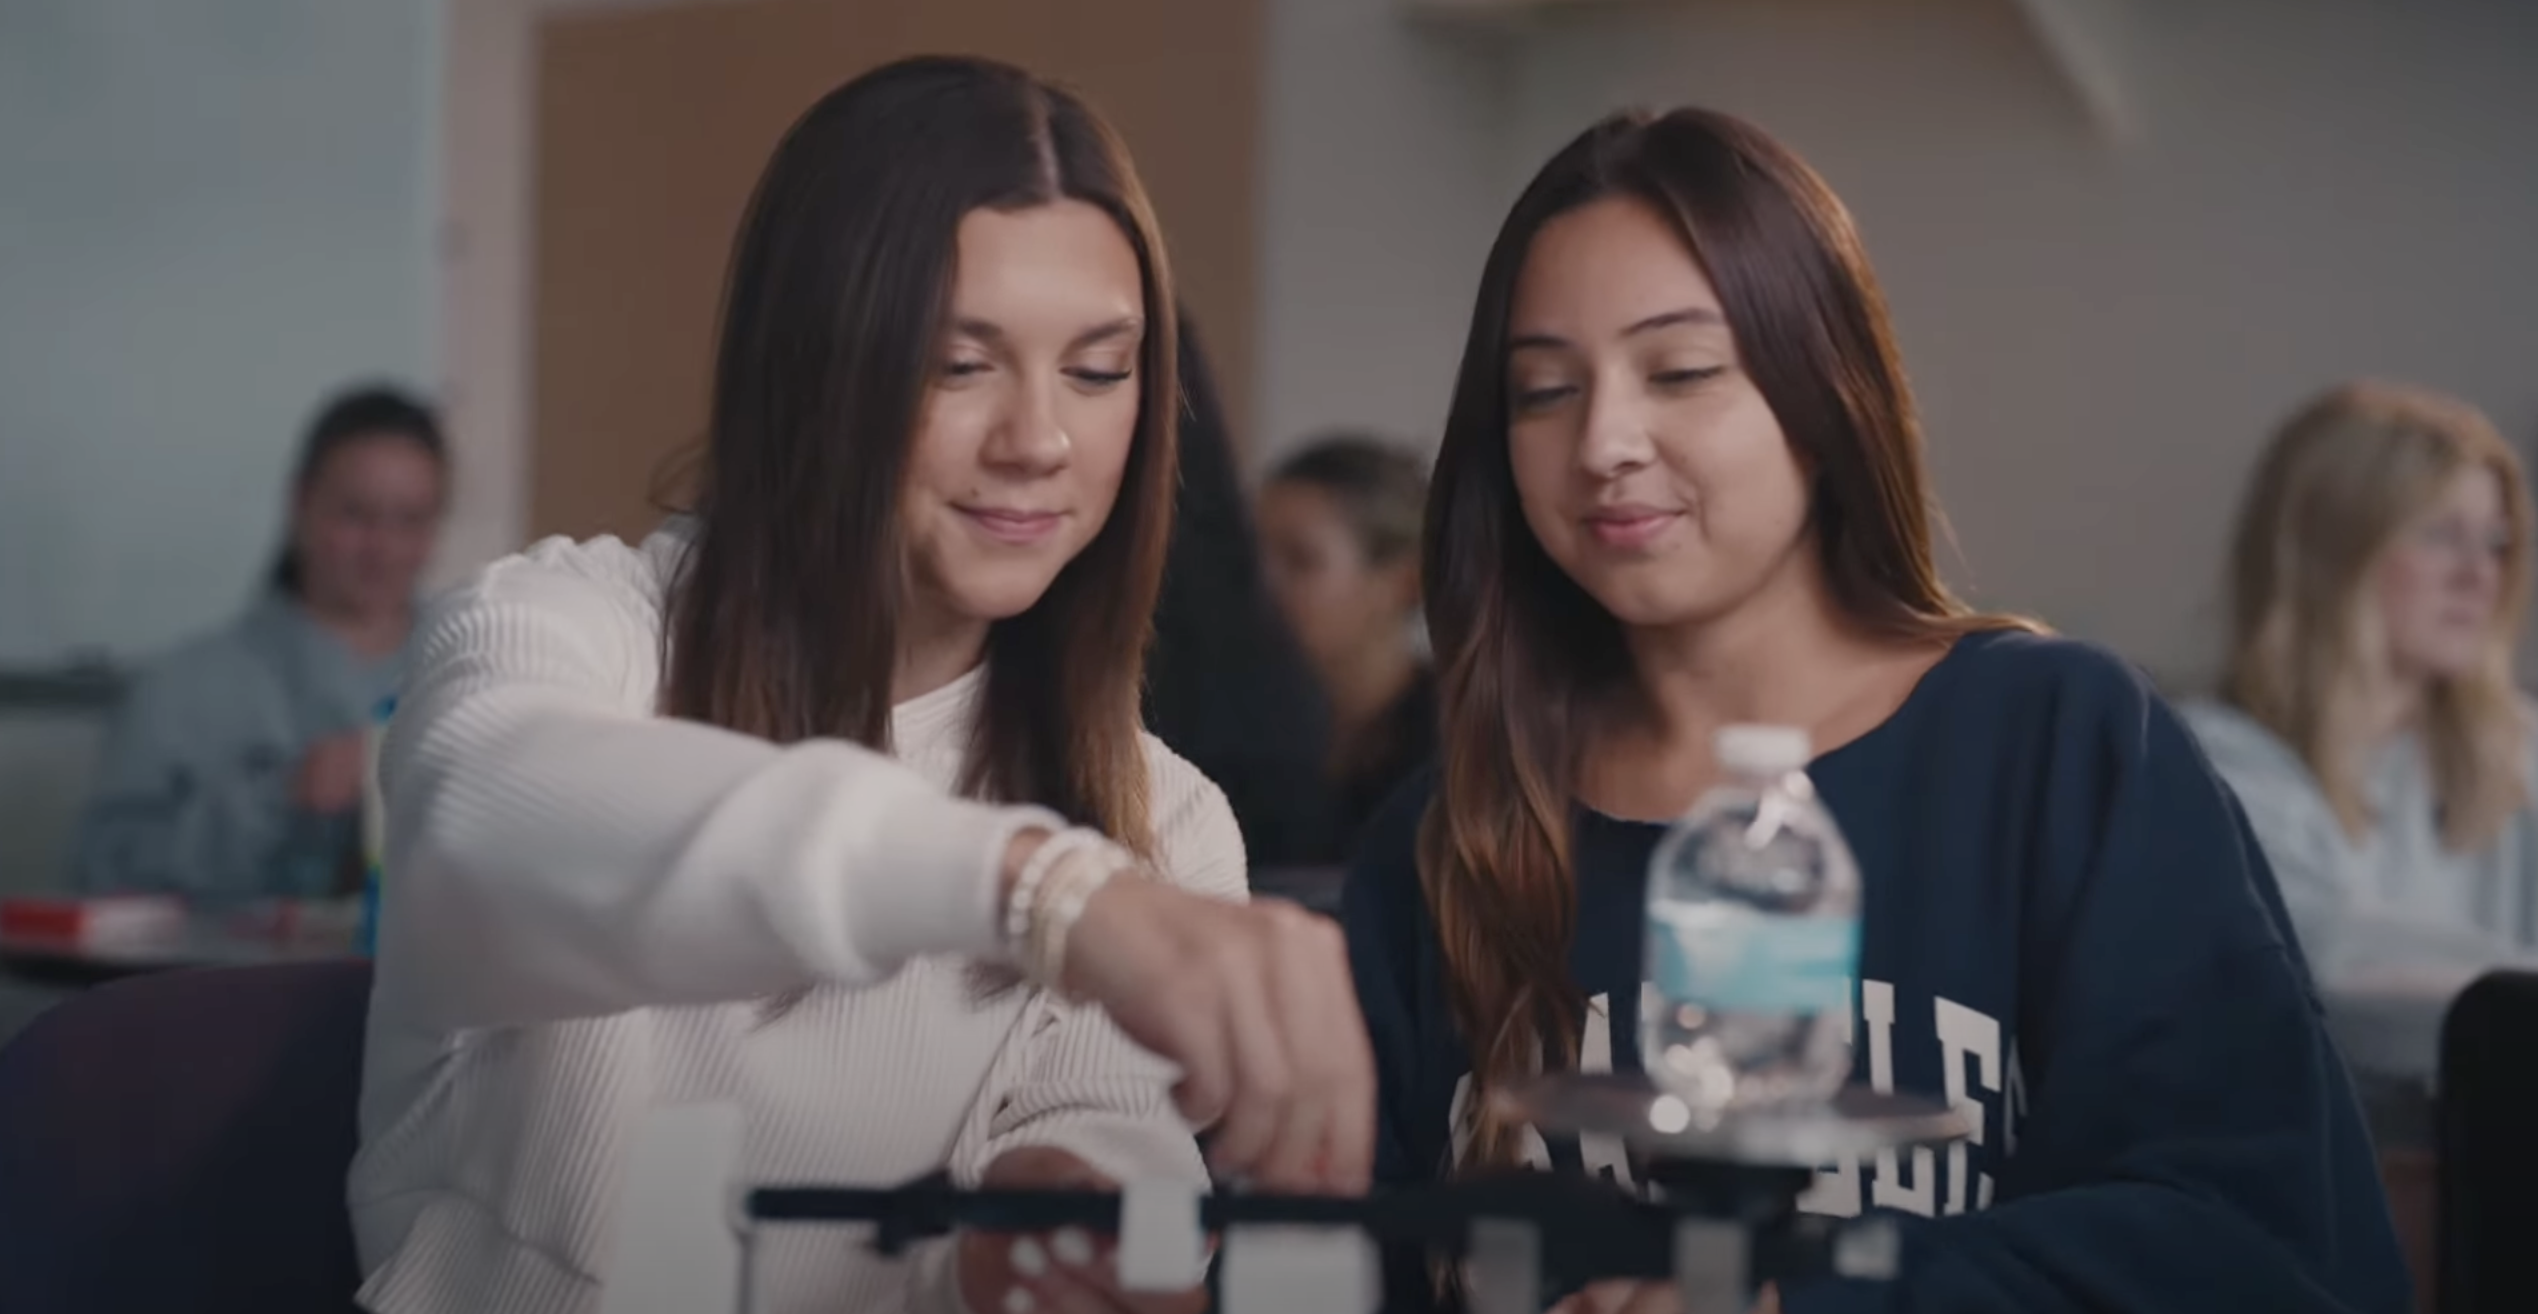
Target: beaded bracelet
(1069, 886)
(1025, 897)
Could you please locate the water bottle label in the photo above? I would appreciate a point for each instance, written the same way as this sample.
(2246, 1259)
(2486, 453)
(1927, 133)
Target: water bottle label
(1745, 961)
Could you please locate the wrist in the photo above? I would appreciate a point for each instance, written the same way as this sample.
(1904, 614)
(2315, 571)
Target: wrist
(1103, 911)
(1053, 878)
(1018, 851)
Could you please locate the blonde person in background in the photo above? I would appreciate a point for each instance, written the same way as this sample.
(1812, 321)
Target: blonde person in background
(2367, 719)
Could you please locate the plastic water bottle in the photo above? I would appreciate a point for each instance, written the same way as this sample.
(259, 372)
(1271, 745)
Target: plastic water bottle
(1753, 937)
(374, 826)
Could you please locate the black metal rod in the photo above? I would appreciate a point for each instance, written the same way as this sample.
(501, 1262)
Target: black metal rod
(1586, 1228)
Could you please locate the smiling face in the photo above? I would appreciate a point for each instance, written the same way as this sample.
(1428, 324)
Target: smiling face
(1648, 464)
(363, 526)
(1030, 414)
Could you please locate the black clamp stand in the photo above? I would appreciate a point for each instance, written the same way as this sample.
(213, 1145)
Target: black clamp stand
(1724, 1219)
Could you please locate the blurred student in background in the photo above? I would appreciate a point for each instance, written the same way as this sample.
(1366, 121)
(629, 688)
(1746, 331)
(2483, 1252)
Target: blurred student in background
(1340, 522)
(235, 766)
(2368, 718)
(1226, 685)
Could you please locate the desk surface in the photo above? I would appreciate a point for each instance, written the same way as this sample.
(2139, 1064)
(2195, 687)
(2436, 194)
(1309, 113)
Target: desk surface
(232, 939)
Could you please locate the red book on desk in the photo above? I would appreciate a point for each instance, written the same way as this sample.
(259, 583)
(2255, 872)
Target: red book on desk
(118, 919)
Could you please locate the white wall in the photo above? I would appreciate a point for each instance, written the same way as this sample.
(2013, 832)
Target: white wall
(210, 215)
(1381, 145)
(2100, 336)
(487, 182)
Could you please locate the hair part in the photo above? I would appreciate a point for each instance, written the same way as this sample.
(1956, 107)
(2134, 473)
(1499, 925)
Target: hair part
(357, 414)
(2341, 479)
(784, 620)
(1526, 657)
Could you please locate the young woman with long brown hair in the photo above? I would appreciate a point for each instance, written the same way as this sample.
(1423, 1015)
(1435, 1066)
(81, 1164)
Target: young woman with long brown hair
(768, 809)
(1681, 487)
(2368, 717)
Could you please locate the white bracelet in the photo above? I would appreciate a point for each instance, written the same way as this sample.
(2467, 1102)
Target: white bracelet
(1069, 886)
(1035, 872)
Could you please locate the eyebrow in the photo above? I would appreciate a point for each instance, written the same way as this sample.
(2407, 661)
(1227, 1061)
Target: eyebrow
(1124, 326)
(1670, 319)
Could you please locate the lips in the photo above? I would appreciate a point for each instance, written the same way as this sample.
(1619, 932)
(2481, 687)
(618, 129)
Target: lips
(1630, 526)
(1010, 525)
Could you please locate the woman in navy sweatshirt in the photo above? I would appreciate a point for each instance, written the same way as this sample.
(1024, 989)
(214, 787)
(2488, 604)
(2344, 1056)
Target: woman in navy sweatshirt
(1682, 486)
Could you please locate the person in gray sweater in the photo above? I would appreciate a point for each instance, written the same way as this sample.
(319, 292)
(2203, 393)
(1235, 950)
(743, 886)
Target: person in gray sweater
(2367, 719)
(234, 769)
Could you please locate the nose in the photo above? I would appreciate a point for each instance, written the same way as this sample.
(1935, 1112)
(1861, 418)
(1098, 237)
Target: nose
(1615, 441)
(1030, 437)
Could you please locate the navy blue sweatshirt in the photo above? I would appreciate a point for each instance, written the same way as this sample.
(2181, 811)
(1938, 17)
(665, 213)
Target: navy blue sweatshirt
(2068, 929)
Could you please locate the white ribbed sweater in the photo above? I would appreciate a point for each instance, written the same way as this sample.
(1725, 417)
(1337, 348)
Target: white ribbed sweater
(587, 906)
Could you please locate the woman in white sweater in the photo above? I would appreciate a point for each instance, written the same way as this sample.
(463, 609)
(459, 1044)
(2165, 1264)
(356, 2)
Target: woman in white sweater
(2368, 720)
(773, 808)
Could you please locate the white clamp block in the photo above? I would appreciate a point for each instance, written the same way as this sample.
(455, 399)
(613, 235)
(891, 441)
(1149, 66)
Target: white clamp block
(1502, 1267)
(1161, 1245)
(1709, 1263)
(1284, 1269)
(677, 1248)
(1871, 1248)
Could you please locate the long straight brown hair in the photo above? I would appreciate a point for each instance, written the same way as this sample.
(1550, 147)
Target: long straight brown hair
(784, 620)
(1524, 655)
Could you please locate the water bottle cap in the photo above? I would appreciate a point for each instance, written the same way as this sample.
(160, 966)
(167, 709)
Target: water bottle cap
(1763, 749)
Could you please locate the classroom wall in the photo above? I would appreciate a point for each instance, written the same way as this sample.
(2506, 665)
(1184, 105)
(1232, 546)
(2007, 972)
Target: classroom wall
(210, 215)
(2100, 334)
(1380, 191)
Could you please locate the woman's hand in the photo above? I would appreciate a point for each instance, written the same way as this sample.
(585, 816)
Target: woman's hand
(329, 778)
(1064, 1272)
(1255, 1004)
(1631, 1296)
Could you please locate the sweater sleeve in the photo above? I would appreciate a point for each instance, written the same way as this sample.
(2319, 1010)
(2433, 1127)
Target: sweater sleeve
(1085, 1087)
(1076, 1082)
(2194, 1144)
(556, 850)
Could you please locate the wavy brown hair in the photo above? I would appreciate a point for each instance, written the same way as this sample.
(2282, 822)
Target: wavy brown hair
(2342, 479)
(784, 620)
(1525, 657)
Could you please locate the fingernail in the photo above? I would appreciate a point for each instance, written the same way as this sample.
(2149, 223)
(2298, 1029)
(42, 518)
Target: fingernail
(1018, 1300)
(1072, 1247)
(1028, 1259)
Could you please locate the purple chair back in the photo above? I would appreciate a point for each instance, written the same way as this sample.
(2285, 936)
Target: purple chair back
(179, 1142)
